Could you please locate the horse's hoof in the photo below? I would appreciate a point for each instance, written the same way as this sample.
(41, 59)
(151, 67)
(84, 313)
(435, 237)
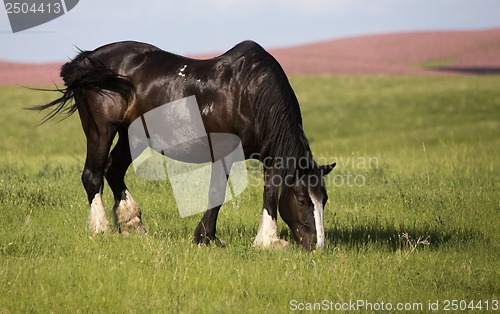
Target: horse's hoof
(271, 244)
(100, 229)
(99, 226)
(202, 241)
(279, 244)
(219, 242)
(134, 226)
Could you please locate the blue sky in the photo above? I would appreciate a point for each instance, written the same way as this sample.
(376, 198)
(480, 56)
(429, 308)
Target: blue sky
(197, 26)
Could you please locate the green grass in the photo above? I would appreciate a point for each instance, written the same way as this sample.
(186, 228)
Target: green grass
(424, 226)
(437, 63)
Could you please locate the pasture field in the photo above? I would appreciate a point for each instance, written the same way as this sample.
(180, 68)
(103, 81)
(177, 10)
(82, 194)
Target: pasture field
(413, 212)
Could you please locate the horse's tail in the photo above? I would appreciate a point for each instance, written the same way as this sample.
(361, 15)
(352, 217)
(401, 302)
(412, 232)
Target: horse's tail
(81, 74)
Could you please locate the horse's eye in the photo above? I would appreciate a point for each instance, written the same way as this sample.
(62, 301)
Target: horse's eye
(301, 202)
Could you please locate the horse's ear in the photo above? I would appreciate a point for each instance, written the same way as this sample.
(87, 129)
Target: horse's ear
(326, 169)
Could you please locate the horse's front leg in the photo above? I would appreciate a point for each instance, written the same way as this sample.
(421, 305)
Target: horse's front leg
(267, 234)
(205, 231)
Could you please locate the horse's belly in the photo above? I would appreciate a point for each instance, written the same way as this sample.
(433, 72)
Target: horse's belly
(211, 148)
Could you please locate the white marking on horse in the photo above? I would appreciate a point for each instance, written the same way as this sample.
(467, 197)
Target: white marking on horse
(98, 221)
(181, 71)
(267, 234)
(318, 220)
(127, 214)
(207, 109)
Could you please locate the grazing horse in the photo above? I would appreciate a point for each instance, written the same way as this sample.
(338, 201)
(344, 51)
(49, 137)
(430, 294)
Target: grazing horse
(244, 92)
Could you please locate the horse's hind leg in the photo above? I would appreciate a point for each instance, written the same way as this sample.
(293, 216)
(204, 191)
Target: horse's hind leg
(126, 212)
(98, 145)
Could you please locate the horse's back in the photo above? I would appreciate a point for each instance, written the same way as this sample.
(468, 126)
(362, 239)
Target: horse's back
(232, 90)
(115, 54)
(122, 48)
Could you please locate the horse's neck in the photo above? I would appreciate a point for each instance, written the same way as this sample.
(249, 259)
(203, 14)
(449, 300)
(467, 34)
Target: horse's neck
(297, 158)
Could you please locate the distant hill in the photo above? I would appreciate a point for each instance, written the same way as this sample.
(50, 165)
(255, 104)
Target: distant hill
(412, 53)
(416, 53)
(30, 74)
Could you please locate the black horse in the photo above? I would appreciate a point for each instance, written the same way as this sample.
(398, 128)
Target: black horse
(244, 92)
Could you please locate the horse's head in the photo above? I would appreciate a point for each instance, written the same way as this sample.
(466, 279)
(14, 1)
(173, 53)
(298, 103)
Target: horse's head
(301, 206)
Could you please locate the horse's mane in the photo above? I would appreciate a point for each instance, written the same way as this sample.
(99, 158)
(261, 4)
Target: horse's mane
(277, 115)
